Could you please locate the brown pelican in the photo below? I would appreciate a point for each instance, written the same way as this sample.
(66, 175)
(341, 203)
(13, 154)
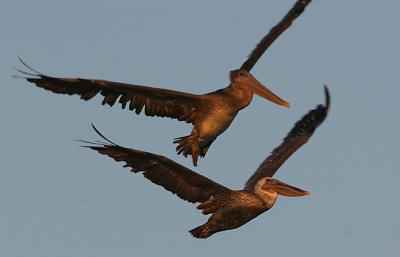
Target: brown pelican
(230, 209)
(211, 113)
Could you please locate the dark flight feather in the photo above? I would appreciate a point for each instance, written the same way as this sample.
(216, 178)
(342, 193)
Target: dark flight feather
(298, 136)
(183, 182)
(274, 33)
(155, 101)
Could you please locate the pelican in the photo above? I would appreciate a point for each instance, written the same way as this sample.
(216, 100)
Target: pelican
(210, 114)
(230, 209)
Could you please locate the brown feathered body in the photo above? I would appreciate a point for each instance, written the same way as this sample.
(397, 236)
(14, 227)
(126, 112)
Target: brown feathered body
(229, 212)
(218, 110)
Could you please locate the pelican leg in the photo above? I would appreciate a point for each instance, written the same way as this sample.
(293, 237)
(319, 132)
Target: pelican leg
(204, 149)
(193, 145)
(195, 152)
(188, 145)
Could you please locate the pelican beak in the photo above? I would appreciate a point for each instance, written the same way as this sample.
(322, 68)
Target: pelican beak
(287, 190)
(260, 90)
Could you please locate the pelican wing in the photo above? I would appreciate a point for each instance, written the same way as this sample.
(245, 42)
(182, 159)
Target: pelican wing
(155, 101)
(297, 137)
(177, 179)
(274, 33)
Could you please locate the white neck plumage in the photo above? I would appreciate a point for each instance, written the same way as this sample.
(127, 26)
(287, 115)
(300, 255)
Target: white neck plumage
(268, 196)
(268, 190)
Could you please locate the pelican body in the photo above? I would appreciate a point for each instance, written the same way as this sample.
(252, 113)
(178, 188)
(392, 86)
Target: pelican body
(229, 209)
(211, 114)
(219, 110)
(240, 207)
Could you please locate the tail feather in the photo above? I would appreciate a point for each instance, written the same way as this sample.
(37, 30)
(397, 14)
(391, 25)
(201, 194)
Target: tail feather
(202, 231)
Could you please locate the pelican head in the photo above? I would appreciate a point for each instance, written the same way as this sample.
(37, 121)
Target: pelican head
(268, 189)
(274, 185)
(244, 80)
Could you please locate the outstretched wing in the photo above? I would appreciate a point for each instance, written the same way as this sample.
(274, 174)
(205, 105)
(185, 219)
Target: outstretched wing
(155, 101)
(177, 179)
(274, 33)
(297, 137)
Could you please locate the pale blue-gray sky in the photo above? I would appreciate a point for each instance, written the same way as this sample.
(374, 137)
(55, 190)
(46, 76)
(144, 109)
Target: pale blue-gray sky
(61, 200)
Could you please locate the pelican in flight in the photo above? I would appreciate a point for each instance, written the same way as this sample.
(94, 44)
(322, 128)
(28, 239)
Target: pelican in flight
(230, 209)
(211, 113)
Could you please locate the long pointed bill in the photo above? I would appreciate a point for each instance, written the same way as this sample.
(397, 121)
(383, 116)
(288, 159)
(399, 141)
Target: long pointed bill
(288, 190)
(260, 90)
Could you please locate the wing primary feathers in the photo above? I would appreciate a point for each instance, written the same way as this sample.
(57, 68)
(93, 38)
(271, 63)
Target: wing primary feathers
(102, 136)
(309, 122)
(98, 143)
(298, 136)
(155, 101)
(23, 72)
(88, 142)
(274, 33)
(327, 98)
(29, 67)
(179, 180)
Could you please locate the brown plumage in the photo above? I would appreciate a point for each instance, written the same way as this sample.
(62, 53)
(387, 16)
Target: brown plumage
(211, 114)
(229, 209)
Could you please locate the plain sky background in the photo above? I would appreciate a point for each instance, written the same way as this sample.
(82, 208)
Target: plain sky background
(57, 199)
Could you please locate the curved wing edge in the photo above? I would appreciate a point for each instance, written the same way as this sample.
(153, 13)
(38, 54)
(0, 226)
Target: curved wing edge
(274, 33)
(298, 136)
(179, 180)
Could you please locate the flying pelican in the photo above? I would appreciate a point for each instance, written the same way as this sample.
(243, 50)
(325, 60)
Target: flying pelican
(230, 209)
(211, 113)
